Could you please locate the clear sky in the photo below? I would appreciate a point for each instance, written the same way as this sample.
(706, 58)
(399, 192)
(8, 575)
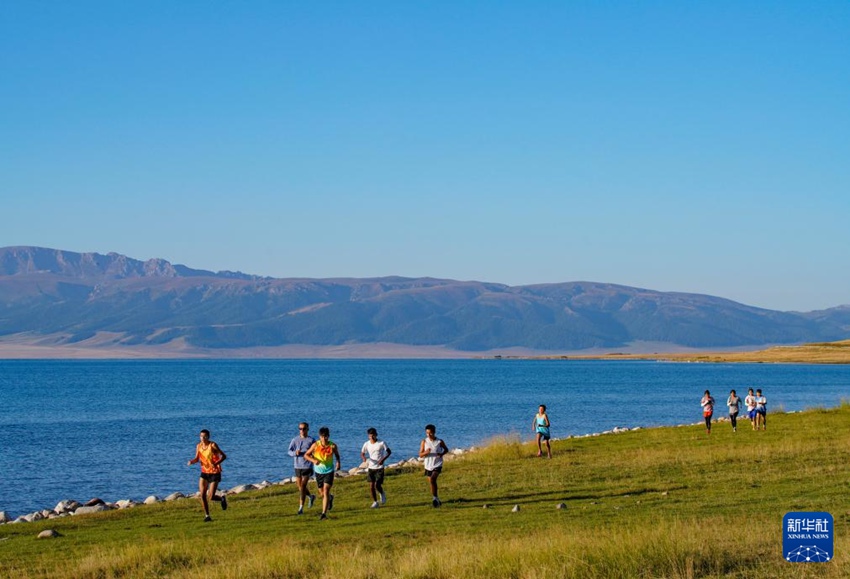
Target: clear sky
(678, 146)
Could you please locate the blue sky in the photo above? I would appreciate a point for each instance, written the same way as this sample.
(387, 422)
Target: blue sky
(678, 146)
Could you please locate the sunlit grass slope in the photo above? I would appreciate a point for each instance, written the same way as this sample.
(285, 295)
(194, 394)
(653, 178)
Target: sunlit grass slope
(663, 502)
(814, 353)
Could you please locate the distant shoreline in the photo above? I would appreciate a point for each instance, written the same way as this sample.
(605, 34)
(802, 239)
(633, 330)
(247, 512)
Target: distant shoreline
(816, 353)
(106, 346)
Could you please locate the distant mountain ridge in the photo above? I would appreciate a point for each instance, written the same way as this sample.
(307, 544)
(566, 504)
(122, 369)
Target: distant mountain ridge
(29, 260)
(153, 302)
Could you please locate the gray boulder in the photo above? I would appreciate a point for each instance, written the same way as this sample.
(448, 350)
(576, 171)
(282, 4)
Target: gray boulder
(48, 534)
(151, 500)
(4, 518)
(174, 497)
(90, 510)
(241, 489)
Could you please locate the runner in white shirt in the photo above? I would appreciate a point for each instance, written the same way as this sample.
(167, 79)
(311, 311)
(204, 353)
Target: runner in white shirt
(750, 401)
(761, 411)
(375, 452)
(432, 450)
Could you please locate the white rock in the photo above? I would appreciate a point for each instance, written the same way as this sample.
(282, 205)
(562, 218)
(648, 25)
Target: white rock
(357, 471)
(91, 509)
(4, 518)
(48, 534)
(151, 500)
(45, 513)
(125, 504)
(174, 497)
(66, 506)
(263, 485)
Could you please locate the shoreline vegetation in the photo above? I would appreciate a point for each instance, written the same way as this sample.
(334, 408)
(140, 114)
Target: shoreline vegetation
(814, 353)
(649, 502)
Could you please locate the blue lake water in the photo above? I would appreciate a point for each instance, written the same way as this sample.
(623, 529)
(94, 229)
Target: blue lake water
(125, 429)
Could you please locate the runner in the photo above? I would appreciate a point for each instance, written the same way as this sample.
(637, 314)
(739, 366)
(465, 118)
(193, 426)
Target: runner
(540, 425)
(707, 404)
(322, 454)
(303, 468)
(210, 456)
(734, 404)
(750, 402)
(432, 450)
(375, 452)
(761, 410)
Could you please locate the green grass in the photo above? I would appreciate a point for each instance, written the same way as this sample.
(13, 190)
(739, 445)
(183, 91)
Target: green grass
(663, 502)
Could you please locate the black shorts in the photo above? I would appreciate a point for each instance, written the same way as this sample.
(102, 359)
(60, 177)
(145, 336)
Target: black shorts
(376, 475)
(300, 472)
(430, 473)
(324, 479)
(211, 476)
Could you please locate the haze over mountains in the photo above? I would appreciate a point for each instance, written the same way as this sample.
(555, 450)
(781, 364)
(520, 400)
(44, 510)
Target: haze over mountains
(74, 297)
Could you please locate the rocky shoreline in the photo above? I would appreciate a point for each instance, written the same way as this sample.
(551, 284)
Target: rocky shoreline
(69, 507)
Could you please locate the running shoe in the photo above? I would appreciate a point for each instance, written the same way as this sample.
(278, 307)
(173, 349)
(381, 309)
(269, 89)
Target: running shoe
(323, 517)
(330, 502)
(310, 500)
(383, 498)
(301, 510)
(207, 519)
(375, 505)
(223, 502)
(436, 502)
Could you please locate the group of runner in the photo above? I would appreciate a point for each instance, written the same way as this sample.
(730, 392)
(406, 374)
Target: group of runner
(756, 409)
(320, 459)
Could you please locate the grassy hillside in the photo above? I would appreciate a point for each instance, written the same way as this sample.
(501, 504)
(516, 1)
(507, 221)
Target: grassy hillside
(664, 502)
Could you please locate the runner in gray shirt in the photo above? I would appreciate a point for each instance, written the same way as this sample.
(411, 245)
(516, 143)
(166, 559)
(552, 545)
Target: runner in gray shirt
(303, 467)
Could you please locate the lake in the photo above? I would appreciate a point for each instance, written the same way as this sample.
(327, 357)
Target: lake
(125, 429)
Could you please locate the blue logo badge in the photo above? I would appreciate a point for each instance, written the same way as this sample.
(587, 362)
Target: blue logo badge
(807, 537)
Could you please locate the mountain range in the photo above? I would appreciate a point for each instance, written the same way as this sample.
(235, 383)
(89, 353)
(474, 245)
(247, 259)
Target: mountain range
(76, 296)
